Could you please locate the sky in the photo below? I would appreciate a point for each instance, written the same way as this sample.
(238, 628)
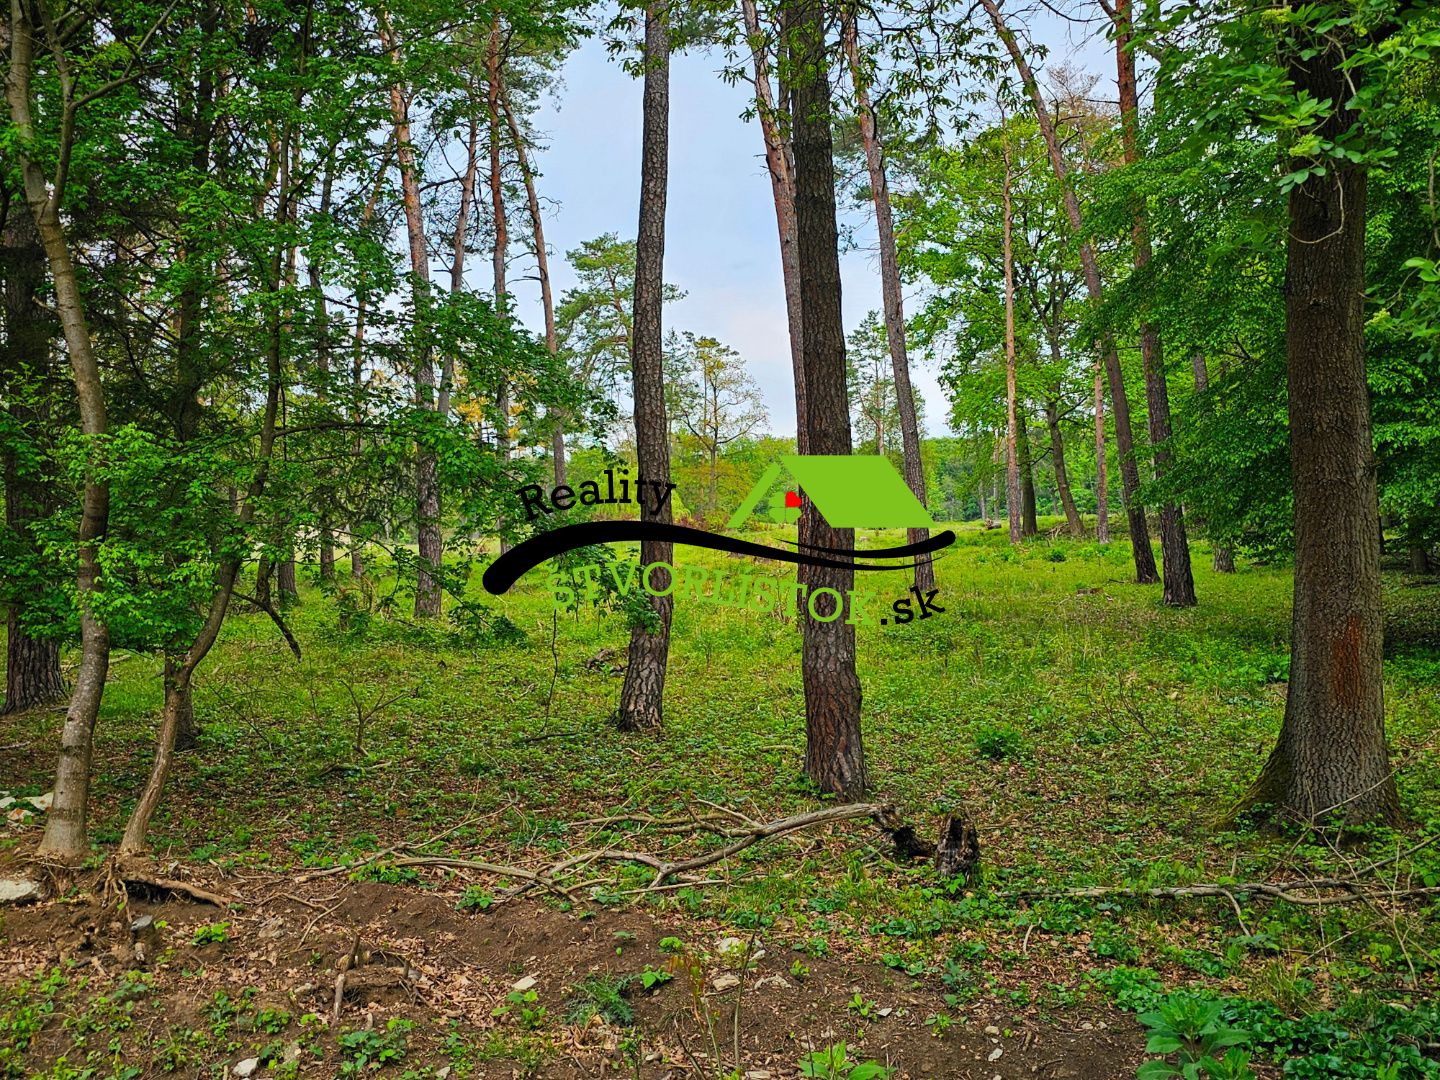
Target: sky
(721, 248)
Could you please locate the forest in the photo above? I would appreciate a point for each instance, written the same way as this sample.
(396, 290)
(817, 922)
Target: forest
(727, 540)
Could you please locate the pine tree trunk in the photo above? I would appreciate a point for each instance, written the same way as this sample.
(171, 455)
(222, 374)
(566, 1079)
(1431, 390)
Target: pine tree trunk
(780, 161)
(1331, 758)
(500, 253)
(32, 665)
(542, 266)
(894, 302)
(642, 697)
(1179, 587)
(834, 749)
(65, 833)
(1145, 570)
(428, 595)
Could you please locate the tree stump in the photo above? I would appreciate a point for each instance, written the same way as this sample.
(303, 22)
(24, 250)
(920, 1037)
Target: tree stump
(958, 852)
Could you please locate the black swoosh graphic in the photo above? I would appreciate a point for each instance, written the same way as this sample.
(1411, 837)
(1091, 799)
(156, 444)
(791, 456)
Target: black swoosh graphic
(508, 568)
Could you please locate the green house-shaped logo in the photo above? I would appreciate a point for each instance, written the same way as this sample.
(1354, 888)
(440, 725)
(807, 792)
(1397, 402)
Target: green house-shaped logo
(852, 491)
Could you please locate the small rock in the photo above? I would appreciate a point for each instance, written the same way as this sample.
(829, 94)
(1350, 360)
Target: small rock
(527, 983)
(991, 1029)
(19, 890)
(885, 1011)
(777, 981)
(1087, 1026)
(996, 1053)
(292, 1053)
(759, 1074)
(244, 1068)
(725, 981)
(441, 1074)
(729, 945)
(143, 923)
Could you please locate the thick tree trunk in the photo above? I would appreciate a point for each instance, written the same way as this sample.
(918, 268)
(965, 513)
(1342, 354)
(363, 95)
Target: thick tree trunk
(285, 582)
(642, 697)
(1419, 559)
(1179, 587)
(1013, 503)
(1145, 570)
(834, 749)
(1102, 495)
(894, 301)
(428, 594)
(65, 833)
(1331, 758)
(32, 665)
(1062, 474)
(1028, 524)
(780, 161)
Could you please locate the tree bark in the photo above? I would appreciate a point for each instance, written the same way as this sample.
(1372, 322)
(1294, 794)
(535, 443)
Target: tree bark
(1028, 524)
(1330, 759)
(1179, 580)
(780, 162)
(834, 749)
(542, 265)
(1012, 408)
(32, 665)
(894, 300)
(1062, 474)
(1102, 496)
(500, 255)
(642, 697)
(65, 833)
(1145, 570)
(428, 594)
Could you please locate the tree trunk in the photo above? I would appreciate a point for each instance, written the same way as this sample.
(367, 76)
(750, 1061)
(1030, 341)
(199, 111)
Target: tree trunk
(1179, 587)
(1012, 408)
(1145, 570)
(780, 161)
(500, 255)
(32, 665)
(187, 733)
(1102, 497)
(1331, 757)
(1419, 559)
(65, 834)
(893, 300)
(1028, 525)
(642, 697)
(428, 595)
(834, 750)
(542, 266)
(1062, 475)
(285, 582)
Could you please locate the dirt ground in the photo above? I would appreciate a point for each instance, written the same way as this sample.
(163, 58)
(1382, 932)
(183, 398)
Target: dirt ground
(466, 978)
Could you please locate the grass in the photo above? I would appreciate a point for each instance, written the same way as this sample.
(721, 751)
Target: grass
(1095, 736)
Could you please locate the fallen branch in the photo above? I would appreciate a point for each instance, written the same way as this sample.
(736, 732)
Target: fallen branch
(1293, 892)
